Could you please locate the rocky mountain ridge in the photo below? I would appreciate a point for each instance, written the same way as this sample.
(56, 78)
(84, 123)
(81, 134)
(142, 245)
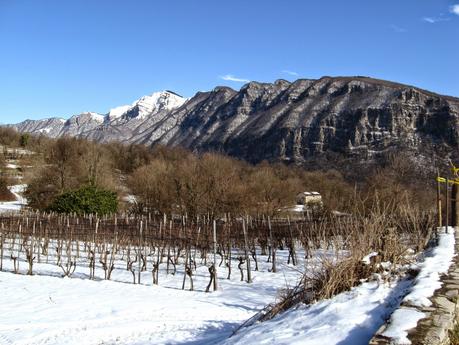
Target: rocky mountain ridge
(296, 121)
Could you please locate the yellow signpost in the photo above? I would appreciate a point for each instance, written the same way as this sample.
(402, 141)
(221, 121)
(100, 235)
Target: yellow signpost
(447, 181)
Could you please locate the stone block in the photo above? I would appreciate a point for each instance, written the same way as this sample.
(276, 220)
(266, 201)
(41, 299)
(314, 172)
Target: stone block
(445, 304)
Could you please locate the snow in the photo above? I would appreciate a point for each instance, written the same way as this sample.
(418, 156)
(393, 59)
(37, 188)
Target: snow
(11, 166)
(131, 199)
(148, 105)
(93, 116)
(436, 263)
(298, 208)
(14, 206)
(367, 259)
(46, 309)
(96, 117)
(433, 266)
(157, 102)
(402, 320)
(118, 111)
(17, 150)
(350, 318)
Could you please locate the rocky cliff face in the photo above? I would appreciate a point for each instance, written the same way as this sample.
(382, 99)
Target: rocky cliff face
(346, 116)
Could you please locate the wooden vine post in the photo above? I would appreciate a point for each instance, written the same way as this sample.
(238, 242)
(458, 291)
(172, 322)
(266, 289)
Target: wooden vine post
(272, 247)
(215, 254)
(140, 252)
(246, 249)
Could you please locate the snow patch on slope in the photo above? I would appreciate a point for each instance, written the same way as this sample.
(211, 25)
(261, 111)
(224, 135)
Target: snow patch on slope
(147, 105)
(350, 318)
(118, 111)
(353, 317)
(20, 202)
(96, 117)
(88, 115)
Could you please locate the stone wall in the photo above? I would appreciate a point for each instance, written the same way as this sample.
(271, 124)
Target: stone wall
(440, 318)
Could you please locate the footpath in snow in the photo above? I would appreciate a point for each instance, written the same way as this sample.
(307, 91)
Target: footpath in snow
(437, 262)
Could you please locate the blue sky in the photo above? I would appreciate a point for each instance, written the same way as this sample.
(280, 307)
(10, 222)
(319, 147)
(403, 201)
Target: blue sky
(60, 58)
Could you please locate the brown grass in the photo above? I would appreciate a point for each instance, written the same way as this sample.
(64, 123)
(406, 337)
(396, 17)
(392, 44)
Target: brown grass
(388, 231)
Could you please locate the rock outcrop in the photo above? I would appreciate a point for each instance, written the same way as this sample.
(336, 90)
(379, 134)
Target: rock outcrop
(347, 116)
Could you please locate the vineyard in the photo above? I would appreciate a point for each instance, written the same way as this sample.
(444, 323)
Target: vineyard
(144, 245)
(228, 248)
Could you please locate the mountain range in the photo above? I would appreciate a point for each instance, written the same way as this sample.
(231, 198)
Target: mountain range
(357, 117)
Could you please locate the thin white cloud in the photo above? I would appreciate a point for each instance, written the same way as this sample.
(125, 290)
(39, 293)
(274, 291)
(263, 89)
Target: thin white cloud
(429, 20)
(454, 9)
(290, 72)
(397, 28)
(433, 20)
(230, 77)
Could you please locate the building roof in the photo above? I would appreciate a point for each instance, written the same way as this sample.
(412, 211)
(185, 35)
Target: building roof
(309, 193)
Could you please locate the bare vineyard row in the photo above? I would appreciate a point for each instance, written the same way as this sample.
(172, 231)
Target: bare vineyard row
(141, 244)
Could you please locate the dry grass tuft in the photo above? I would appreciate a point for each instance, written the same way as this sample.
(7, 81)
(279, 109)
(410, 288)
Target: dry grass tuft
(392, 232)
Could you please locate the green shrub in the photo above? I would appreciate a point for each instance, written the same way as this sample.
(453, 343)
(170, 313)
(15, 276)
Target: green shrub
(86, 200)
(24, 140)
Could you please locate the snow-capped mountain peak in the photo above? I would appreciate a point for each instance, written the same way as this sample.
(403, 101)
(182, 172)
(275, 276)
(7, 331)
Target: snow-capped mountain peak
(148, 105)
(94, 116)
(118, 111)
(87, 116)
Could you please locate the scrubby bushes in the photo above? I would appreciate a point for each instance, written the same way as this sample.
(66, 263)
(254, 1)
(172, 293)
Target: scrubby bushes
(5, 193)
(213, 185)
(9, 137)
(68, 165)
(378, 245)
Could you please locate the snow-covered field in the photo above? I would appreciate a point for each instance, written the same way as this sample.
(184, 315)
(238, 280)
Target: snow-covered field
(48, 309)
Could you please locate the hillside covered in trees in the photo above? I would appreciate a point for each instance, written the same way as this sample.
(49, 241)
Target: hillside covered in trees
(173, 180)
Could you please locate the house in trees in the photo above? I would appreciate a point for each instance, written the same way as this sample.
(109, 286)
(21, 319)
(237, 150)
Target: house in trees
(309, 199)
